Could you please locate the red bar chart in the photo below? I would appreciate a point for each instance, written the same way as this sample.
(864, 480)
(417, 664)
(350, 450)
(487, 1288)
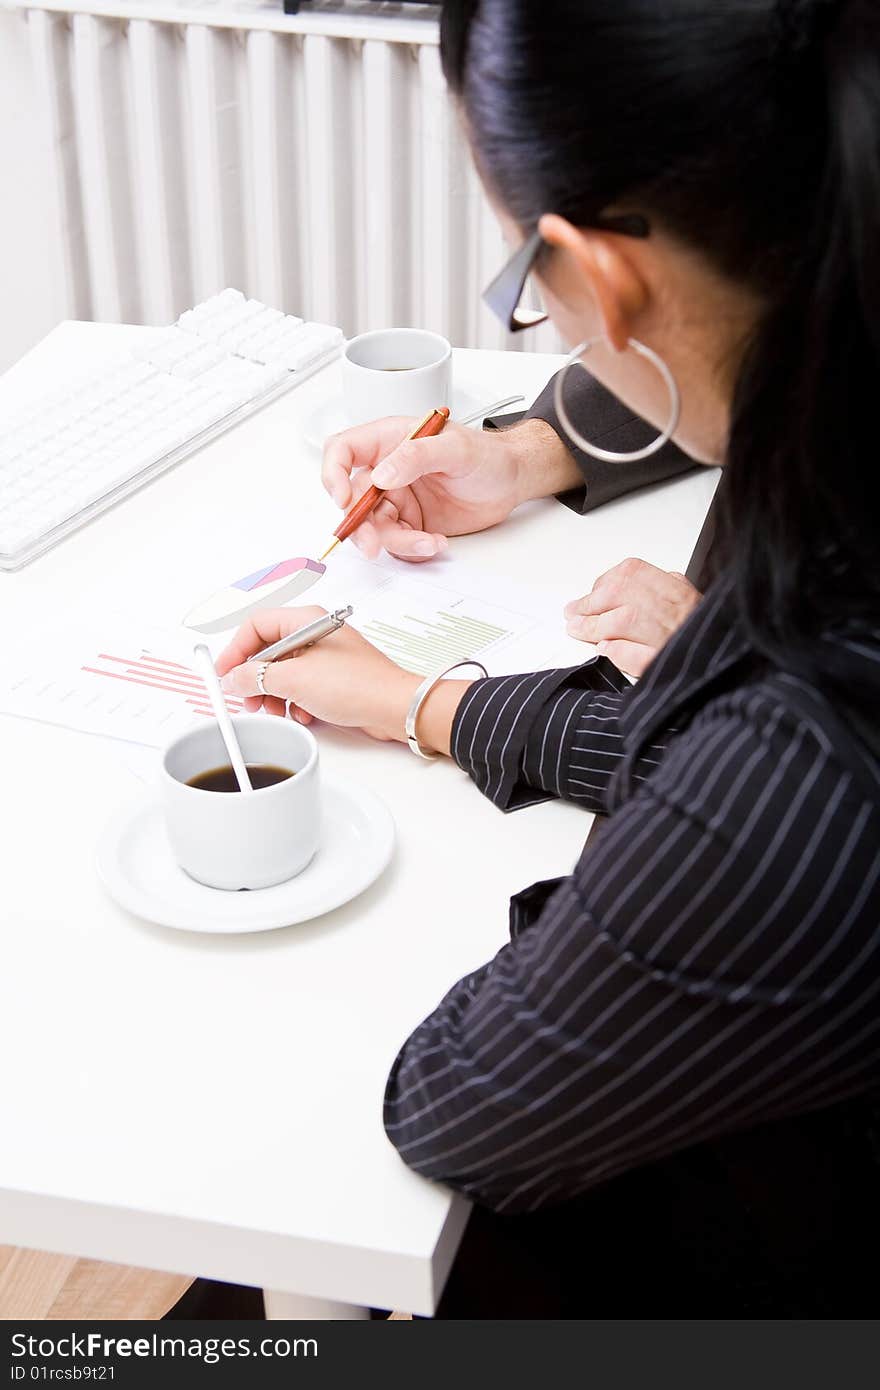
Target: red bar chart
(157, 673)
(130, 682)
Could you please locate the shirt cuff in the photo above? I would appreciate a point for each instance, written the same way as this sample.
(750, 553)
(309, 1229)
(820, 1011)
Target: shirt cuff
(491, 729)
(610, 424)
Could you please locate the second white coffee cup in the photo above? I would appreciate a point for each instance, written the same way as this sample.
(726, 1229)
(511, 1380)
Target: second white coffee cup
(239, 840)
(395, 371)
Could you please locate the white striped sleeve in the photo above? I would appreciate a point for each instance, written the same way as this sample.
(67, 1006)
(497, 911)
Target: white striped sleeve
(551, 734)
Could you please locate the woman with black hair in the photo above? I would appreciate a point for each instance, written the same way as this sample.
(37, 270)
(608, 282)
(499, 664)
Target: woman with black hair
(660, 1094)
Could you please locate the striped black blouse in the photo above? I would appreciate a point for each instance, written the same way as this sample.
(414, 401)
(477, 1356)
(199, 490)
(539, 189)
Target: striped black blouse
(712, 962)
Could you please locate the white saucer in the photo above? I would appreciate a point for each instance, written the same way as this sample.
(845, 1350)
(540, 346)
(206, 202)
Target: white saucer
(137, 869)
(330, 418)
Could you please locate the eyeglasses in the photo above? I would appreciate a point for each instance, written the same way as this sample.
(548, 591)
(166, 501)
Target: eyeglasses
(506, 290)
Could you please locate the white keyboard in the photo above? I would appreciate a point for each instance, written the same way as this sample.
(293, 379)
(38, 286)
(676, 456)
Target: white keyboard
(81, 448)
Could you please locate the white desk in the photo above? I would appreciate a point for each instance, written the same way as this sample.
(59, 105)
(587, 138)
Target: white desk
(213, 1105)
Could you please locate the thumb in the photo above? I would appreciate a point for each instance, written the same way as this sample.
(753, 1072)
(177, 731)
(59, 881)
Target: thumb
(415, 458)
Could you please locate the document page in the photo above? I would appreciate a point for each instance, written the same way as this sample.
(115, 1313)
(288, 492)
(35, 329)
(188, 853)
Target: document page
(118, 676)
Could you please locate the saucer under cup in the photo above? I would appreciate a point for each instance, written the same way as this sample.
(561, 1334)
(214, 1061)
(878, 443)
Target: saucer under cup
(139, 871)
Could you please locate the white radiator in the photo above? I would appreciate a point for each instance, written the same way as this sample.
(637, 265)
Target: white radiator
(315, 162)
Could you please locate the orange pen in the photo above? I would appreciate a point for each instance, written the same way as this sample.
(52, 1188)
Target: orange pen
(432, 424)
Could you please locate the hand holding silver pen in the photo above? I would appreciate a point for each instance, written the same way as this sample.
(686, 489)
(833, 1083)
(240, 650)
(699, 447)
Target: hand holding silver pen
(305, 637)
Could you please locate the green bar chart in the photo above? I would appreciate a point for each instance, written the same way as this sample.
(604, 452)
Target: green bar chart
(428, 643)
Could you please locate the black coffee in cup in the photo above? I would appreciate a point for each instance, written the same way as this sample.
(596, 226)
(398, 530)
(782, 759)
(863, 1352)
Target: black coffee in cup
(223, 779)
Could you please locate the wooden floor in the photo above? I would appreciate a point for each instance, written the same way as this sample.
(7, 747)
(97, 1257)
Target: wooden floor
(55, 1288)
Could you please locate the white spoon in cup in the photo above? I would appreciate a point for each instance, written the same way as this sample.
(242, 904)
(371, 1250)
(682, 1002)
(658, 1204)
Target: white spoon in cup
(205, 668)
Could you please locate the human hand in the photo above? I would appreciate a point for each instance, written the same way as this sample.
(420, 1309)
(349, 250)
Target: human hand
(342, 679)
(459, 481)
(631, 612)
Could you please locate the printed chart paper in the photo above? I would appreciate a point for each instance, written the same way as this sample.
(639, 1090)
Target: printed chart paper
(122, 681)
(428, 616)
(122, 678)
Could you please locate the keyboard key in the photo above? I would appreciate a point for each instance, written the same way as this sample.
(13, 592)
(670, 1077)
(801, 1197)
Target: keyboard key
(72, 451)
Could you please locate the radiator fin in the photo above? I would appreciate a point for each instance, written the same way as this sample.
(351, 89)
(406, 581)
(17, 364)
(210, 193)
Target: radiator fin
(325, 175)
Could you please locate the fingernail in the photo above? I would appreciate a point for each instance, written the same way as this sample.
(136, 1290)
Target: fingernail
(602, 647)
(442, 544)
(424, 548)
(385, 475)
(569, 610)
(227, 681)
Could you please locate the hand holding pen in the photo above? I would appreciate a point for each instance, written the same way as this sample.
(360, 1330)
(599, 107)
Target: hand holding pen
(431, 425)
(304, 637)
(347, 681)
(459, 481)
(344, 680)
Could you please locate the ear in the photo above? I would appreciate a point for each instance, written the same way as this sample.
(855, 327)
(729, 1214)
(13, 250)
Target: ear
(612, 274)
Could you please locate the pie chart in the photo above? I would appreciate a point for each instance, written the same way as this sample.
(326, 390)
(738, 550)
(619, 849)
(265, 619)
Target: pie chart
(265, 588)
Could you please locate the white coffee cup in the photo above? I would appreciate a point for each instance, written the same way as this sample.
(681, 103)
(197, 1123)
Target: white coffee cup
(395, 371)
(239, 840)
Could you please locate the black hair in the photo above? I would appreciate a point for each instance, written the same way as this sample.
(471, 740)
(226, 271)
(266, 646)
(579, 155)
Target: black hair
(749, 129)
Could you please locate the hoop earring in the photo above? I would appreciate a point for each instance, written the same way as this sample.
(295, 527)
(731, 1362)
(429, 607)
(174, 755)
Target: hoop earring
(608, 455)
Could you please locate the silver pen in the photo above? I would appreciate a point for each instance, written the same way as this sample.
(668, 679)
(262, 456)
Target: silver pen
(488, 410)
(306, 636)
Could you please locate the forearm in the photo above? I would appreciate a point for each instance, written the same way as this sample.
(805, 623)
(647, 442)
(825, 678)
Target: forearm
(577, 478)
(521, 739)
(437, 715)
(526, 738)
(544, 466)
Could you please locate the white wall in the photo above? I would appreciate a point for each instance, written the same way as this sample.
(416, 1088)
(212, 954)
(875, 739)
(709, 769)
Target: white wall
(30, 299)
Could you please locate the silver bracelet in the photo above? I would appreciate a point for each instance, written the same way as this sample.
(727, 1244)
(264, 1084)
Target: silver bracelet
(418, 700)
